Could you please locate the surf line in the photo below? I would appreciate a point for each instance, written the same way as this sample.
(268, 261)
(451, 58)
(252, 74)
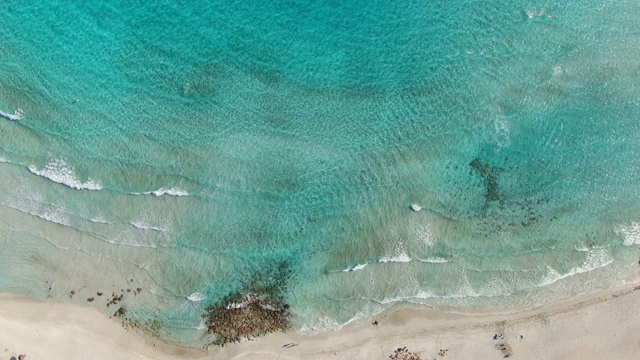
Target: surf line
(17, 115)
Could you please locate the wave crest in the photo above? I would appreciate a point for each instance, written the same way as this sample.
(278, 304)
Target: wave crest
(433, 260)
(174, 191)
(355, 268)
(195, 297)
(630, 233)
(596, 259)
(144, 226)
(401, 258)
(59, 172)
(17, 115)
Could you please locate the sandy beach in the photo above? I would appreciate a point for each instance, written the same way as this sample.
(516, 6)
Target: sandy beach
(601, 325)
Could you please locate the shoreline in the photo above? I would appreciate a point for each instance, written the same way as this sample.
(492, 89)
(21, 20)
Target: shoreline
(586, 326)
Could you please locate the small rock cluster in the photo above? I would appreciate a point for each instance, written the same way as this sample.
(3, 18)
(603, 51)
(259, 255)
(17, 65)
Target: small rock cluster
(502, 345)
(115, 299)
(151, 328)
(404, 354)
(120, 312)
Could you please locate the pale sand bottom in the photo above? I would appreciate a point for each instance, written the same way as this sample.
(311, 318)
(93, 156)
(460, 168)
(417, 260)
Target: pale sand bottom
(604, 325)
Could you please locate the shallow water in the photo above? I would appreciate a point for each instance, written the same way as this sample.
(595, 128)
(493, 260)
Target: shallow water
(186, 148)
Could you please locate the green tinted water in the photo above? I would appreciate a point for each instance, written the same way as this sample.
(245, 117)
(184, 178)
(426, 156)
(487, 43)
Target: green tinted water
(191, 148)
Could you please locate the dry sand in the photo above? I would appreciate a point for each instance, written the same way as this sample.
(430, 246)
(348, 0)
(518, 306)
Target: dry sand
(604, 325)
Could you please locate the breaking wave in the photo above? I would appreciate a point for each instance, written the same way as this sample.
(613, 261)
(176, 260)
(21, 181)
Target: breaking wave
(142, 226)
(174, 191)
(59, 172)
(195, 297)
(356, 268)
(597, 258)
(17, 115)
(402, 258)
(55, 216)
(97, 220)
(630, 233)
(433, 260)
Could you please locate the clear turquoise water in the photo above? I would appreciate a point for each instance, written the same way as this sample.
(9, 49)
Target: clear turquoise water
(299, 133)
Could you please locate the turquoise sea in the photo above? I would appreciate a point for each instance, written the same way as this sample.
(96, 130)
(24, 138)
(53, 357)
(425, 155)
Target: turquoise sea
(192, 149)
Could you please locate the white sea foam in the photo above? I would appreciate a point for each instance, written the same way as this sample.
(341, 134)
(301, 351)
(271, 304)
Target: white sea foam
(130, 236)
(249, 299)
(195, 297)
(630, 233)
(406, 298)
(596, 258)
(557, 70)
(501, 135)
(143, 226)
(59, 172)
(17, 115)
(355, 268)
(98, 220)
(174, 191)
(403, 298)
(463, 292)
(54, 215)
(323, 324)
(3, 160)
(127, 242)
(433, 260)
(202, 326)
(401, 258)
(532, 13)
(327, 323)
(425, 236)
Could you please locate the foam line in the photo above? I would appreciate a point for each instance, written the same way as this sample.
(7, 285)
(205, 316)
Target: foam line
(630, 233)
(59, 172)
(355, 268)
(434, 260)
(174, 191)
(17, 115)
(402, 258)
(195, 297)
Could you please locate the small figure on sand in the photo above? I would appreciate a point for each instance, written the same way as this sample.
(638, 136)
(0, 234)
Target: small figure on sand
(375, 323)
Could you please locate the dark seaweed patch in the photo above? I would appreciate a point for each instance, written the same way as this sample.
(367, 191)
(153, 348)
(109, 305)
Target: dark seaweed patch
(489, 174)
